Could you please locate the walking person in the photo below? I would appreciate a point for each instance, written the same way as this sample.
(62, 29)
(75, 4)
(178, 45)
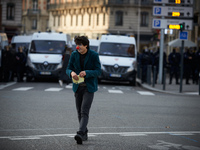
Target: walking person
(83, 63)
(174, 61)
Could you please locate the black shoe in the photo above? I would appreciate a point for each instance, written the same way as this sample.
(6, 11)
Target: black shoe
(85, 136)
(79, 137)
(177, 83)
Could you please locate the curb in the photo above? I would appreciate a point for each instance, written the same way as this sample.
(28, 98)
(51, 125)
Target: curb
(146, 86)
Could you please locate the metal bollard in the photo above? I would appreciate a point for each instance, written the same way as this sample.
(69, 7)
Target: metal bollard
(138, 70)
(164, 78)
(154, 76)
(199, 83)
(149, 74)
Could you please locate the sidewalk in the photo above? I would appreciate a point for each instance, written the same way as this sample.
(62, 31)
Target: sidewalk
(191, 89)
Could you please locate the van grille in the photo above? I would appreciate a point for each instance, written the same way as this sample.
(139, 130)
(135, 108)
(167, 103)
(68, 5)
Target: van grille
(119, 70)
(42, 67)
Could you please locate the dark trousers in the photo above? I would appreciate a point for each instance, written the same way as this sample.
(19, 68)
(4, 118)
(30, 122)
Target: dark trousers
(83, 103)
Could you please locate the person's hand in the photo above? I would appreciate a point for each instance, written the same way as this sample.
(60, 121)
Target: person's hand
(74, 75)
(82, 74)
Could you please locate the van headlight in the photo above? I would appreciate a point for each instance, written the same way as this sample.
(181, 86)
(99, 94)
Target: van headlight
(59, 66)
(30, 64)
(132, 67)
(102, 67)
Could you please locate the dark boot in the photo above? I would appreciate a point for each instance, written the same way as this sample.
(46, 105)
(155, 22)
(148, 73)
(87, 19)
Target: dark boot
(85, 136)
(79, 137)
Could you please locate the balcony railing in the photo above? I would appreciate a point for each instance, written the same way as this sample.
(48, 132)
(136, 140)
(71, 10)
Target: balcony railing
(100, 2)
(33, 11)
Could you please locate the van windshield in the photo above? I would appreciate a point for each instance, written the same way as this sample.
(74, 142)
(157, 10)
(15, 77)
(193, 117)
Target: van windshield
(117, 49)
(47, 47)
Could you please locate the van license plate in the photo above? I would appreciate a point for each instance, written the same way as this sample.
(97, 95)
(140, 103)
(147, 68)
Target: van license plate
(115, 75)
(45, 73)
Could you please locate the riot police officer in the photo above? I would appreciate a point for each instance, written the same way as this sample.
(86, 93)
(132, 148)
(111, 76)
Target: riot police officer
(174, 61)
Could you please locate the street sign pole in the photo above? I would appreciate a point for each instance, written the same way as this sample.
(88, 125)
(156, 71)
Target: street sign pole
(181, 73)
(161, 54)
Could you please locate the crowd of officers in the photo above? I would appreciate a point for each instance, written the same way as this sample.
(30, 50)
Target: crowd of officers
(13, 64)
(172, 62)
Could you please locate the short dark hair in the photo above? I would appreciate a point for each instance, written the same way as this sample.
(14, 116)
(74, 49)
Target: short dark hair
(82, 40)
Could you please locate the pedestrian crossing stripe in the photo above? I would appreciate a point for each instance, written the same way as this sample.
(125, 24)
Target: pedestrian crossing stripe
(54, 89)
(68, 87)
(115, 91)
(145, 93)
(23, 89)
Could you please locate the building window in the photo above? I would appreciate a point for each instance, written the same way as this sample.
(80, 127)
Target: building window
(119, 18)
(58, 20)
(76, 20)
(89, 20)
(104, 19)
(82, 20)
(144, 19)
(35, 4)
(54, 21)
(48, 4)
(10, 11)
(71, 20)
(65, 20)
(34, 24)
(97, 19)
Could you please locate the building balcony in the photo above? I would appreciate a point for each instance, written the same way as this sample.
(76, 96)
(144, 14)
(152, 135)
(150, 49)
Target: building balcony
(100, 3)
(32, 12)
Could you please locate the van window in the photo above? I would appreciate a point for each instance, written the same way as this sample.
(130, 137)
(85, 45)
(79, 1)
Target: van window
(47, 47)
(117, 49)
(16, 45)
(94, 48)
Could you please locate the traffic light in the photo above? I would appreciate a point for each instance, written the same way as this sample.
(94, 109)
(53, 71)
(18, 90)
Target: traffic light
(182, 26)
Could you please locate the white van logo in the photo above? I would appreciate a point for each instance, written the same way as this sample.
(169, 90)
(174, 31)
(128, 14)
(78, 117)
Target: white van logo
(46, 56)
(116, 66)
(45, 63)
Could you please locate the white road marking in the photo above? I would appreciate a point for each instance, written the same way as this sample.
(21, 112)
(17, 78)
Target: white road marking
(54, 89)
(23, 89)
(115, 91)
(30, 137)
(6, 85)
(145, 93)
(68, 87)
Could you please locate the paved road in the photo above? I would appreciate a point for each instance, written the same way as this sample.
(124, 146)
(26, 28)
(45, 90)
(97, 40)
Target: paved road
(42, 115)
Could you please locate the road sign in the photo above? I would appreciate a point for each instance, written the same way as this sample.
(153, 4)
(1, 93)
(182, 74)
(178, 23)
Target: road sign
(183, 35)
(173, 11)
(173, 1)
(164, 23)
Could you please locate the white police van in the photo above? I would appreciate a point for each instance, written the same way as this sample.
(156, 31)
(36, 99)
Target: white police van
(94, 44)
(46, 54)
(118, 57)
(21, 40)
(3, 43)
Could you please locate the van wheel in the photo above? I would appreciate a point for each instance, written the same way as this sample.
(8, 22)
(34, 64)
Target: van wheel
(28, 79)
(133, 83)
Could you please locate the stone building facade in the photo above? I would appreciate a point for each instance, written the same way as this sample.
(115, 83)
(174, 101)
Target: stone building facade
(11, 17)
(35, 16)
(96, 17)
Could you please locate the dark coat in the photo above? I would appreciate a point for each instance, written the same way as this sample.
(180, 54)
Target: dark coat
(92, 67)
